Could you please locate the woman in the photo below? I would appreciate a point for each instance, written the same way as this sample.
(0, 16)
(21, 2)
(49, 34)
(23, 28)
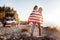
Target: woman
(32, 18)
(35, 19)
(40, 20)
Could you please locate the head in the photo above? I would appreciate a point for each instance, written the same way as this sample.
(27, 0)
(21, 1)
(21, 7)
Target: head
(40, 10)
(35, 7)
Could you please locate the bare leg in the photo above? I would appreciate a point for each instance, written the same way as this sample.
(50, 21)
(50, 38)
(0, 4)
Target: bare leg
(39, 27)
(32, 30)
(33, 27)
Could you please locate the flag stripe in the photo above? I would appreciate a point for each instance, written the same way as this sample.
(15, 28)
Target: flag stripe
(36, 17)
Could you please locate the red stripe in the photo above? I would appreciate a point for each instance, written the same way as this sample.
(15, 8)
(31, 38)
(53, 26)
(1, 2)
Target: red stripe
(36, 17)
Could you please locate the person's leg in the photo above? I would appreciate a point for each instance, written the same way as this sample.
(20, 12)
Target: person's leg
(4, 24)
(39, 27)
(32, 29)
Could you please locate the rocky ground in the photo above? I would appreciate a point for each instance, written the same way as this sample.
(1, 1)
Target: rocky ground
(16, 33)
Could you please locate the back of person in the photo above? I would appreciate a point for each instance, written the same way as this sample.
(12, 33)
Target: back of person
(34, 16)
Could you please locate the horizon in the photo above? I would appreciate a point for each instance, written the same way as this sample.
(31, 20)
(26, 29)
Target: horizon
(51, 9)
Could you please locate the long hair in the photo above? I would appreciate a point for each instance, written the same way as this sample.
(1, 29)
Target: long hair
(35, 7)
(40, 9)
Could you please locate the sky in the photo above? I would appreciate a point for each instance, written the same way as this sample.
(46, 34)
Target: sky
(51, 9)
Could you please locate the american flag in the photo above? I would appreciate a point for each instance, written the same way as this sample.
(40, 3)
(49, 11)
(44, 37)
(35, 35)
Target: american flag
(35, 16)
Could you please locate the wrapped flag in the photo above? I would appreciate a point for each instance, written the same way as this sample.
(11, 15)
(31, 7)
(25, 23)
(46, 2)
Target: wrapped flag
(36, 16)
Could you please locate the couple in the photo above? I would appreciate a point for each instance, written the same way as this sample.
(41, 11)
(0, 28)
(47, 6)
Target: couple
(36, 18)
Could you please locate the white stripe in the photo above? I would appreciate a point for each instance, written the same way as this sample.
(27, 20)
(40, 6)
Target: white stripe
(36, 21)
(35, 15)
(34, 18)
(36, 12)
(41, 18)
